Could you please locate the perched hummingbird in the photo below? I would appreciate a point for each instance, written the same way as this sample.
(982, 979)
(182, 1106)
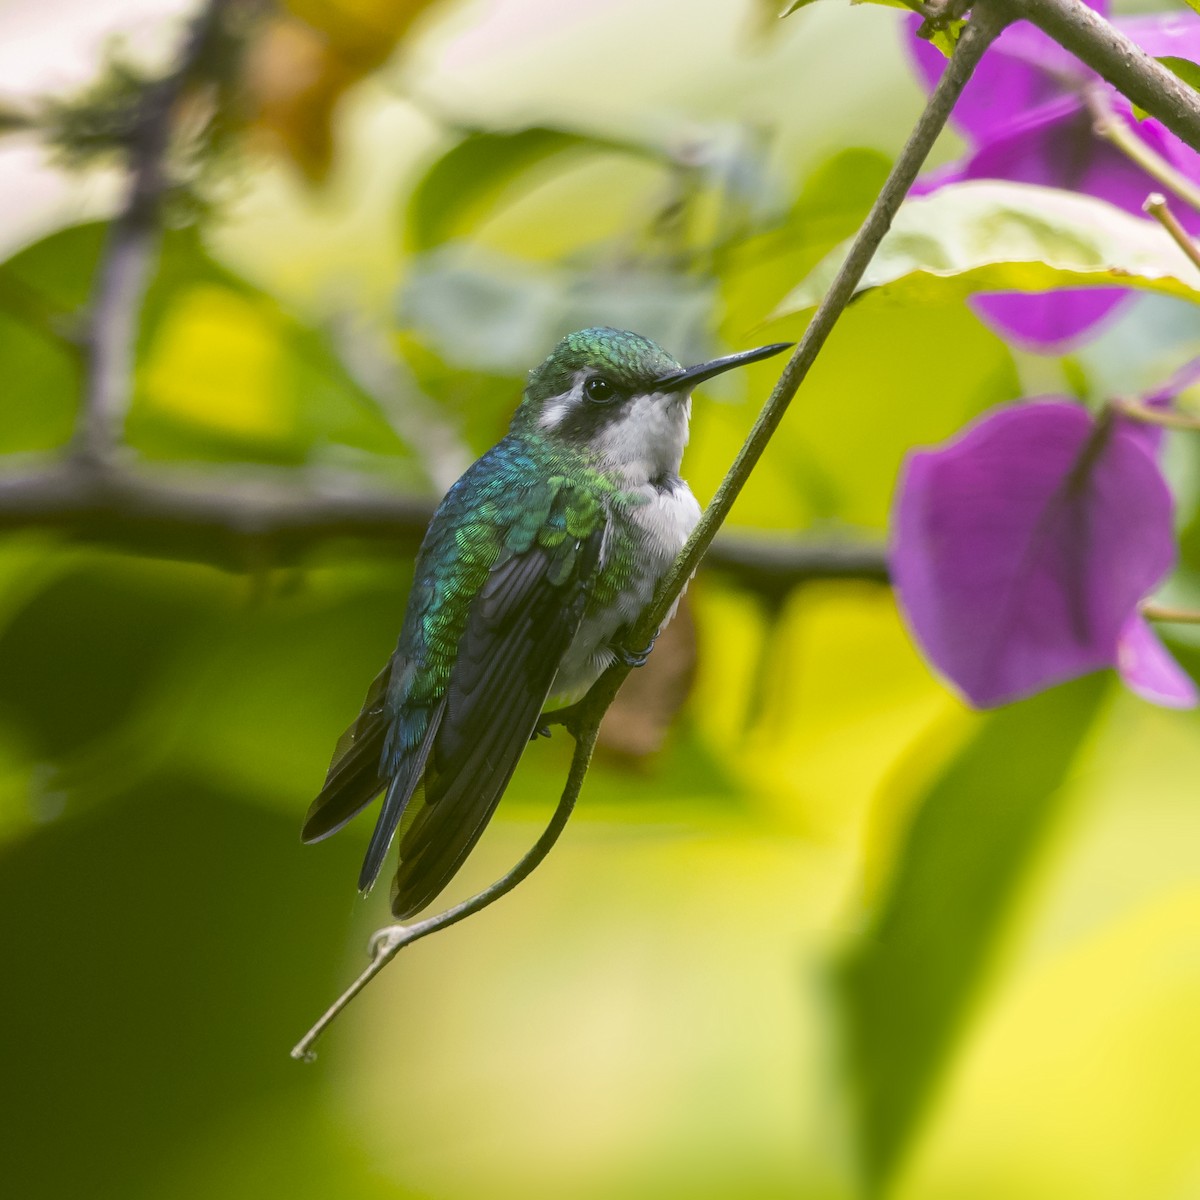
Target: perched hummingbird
(534, 567)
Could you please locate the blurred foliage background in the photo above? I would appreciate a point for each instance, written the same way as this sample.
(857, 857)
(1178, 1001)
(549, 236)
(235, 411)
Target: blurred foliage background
(829, 926)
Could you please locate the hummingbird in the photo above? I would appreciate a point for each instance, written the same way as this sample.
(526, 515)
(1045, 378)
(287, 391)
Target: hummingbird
(534, 567)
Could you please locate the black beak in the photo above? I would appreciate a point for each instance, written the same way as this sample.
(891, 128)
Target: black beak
(685, 380)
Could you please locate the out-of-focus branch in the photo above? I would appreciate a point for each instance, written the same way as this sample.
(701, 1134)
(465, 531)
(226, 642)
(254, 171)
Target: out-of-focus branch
(224, 517)
(121, 282)
(774, 564)
(1125, 65)
(231, 518)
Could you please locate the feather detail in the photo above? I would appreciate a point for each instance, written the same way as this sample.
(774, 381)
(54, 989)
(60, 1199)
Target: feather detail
(355, 777)
(518, 630)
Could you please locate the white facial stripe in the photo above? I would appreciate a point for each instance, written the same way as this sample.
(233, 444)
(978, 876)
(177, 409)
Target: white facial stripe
(643, 438)
(555, 412)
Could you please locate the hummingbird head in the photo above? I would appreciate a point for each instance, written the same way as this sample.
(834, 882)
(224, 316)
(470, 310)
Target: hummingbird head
(621, 397)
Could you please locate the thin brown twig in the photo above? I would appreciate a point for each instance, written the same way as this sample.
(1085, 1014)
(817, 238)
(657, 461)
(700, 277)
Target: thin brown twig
(1165, 418)
(980, 33)
(1156, 206)
(985, 25)
(387, 942)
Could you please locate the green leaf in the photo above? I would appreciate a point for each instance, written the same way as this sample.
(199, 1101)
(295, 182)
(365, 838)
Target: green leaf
(43, 290)
(468, 182)
(1008, 237)
(946, 39)
(1187, 70)
(913, 980)
(495, 313)
(758, 271)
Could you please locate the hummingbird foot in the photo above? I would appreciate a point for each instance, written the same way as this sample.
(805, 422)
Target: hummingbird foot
(634, 658)
(566, 717)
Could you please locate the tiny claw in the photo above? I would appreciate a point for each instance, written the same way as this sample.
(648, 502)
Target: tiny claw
(634, 658)
(540, 730)
(566, 717)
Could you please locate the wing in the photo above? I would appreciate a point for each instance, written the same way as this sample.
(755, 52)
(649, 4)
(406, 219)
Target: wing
(354, 777)
(518, 629)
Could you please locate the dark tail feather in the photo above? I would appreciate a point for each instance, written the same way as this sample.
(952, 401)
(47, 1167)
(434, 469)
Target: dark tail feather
(354, 778)
(353, 782)
(408, 774)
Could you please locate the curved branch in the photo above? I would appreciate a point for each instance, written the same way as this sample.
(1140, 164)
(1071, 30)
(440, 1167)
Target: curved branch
(387, 942)
(587, 715)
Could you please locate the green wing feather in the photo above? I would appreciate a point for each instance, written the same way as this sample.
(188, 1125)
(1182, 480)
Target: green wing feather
(501, 585)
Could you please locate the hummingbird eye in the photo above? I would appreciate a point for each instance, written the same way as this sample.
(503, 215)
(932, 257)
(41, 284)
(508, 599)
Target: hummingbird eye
(599, 390)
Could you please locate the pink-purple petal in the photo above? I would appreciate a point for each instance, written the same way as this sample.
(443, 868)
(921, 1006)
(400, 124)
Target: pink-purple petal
(1167, 33)
(1049, 322)
(1055, 147)
(1026, 112)
(1147, 668)
(1021, 549)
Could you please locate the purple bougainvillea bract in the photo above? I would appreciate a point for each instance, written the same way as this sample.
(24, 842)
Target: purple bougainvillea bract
(1022, 549)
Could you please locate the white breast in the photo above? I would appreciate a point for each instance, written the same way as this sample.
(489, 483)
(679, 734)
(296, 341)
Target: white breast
(662, 523)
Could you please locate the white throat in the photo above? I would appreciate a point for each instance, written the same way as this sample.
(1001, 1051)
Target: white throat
(648, 438)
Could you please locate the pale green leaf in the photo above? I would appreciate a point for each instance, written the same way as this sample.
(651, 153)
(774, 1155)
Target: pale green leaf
(796, 5)
(1008, 237)
(468, 182)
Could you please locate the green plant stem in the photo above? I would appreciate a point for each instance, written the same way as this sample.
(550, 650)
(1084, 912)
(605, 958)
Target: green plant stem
(980, 33)
(1113, 130)
(984, 26)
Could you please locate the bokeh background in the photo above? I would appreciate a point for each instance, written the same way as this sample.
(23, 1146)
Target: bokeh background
(820, 925)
